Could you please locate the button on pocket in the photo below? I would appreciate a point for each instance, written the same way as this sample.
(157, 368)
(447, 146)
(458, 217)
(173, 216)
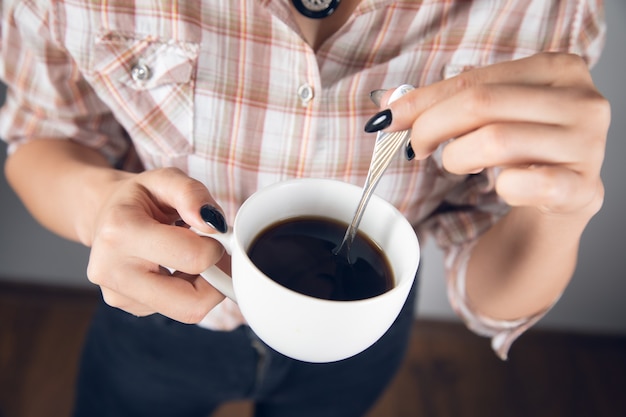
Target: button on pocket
(141, 72)
(148, 84)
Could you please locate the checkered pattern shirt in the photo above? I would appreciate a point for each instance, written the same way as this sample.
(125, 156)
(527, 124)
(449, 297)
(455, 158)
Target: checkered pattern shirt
(229, 92)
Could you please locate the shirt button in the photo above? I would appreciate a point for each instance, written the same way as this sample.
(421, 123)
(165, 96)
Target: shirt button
(305, 92)
(140, 72)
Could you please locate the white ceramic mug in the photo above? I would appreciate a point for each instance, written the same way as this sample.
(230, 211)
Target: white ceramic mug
(300, 326)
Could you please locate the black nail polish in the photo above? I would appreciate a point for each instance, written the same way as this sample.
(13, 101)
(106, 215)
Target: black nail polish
(214, 218)
(410, 153)
(379, 121)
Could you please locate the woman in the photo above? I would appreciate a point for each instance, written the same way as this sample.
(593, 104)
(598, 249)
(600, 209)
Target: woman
(124, 118)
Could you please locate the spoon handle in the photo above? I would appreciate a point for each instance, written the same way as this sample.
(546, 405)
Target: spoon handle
(385, 148)
(387, 145)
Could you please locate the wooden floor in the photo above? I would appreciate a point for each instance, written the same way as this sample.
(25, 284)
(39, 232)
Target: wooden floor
(447, 372)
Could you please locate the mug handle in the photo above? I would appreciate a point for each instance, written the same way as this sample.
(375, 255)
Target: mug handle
(215, 276)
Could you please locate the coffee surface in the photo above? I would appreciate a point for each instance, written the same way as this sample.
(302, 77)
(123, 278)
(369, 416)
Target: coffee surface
(298, 254)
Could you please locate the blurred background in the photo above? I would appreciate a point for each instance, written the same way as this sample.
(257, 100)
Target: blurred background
(595, 302)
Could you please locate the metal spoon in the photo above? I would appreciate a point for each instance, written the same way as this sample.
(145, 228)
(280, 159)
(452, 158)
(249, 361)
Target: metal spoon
(386, 147)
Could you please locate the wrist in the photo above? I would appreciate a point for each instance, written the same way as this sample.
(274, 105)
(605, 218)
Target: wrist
(524, 262)
(96, 185)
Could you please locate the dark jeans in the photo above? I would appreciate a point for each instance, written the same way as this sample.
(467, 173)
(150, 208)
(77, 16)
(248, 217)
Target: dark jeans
(154, 366)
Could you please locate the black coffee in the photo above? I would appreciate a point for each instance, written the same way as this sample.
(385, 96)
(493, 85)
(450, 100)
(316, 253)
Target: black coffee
(298, 254)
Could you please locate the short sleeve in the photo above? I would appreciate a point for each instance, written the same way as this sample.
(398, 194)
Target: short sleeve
(46, 95)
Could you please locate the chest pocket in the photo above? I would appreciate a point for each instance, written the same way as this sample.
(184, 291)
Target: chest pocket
(148, 83)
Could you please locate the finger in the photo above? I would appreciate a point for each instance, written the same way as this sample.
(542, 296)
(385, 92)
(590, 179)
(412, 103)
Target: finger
(127, 304)
(552, 189)
(127, 229)
(175, 247)
(546, 69)
(488, 104)
(511, 144)
(145, 289)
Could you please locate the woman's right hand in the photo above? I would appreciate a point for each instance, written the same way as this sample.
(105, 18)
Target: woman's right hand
(133, 237)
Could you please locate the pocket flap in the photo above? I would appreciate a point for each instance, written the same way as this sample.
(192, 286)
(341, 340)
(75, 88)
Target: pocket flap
(144, 63)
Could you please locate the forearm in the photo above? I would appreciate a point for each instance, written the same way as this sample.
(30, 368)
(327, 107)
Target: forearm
(61, 183)
(521, 265)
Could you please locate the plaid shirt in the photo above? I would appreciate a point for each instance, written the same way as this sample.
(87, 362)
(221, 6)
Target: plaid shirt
(229, 92)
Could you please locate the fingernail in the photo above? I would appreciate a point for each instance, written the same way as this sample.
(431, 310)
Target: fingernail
(379, 121)
(376, 96)
(410, 153)
(214, 218)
